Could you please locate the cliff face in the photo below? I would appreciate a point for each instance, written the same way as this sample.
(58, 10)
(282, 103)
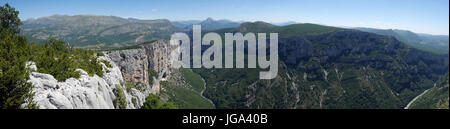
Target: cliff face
(135, 63)
(331, 47)
(158, 56)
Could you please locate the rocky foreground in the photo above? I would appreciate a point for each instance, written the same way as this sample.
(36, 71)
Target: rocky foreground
(95, 92)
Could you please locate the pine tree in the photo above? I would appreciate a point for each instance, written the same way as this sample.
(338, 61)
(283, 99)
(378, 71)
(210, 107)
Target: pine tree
(14, 53)
(9, 19)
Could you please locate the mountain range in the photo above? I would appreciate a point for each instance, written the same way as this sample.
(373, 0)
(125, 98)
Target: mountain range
(109, 31)
(97, 31)
(329, 67)
(427, 42)
(208, 24)
(94, 31)
(320, 67)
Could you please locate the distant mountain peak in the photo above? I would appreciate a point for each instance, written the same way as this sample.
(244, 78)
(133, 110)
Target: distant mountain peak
(209, 24)
(209, 19)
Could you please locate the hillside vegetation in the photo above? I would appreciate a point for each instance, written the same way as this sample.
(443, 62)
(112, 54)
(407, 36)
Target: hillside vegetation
(326, 67)
(186, 92)
(97, 31)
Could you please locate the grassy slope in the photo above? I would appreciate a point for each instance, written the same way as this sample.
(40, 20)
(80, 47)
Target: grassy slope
(193, 79)
(187, 98)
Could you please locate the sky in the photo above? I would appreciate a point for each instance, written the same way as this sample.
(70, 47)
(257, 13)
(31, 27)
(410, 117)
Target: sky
(421, 16)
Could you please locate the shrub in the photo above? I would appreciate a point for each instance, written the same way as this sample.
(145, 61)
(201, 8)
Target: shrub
(58, 60)
(151, 73)
(134, 101)
(53, 58)
(153, 101)
(106, 63)
(100, 54)
(443, 104)
(120, 101)
(129, 86)
(87, 60)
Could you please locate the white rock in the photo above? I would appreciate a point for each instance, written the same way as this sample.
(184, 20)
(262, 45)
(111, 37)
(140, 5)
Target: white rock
(84, 93)
(31, 66)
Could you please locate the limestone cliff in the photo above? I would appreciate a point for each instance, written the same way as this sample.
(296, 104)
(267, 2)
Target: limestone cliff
(135, 63)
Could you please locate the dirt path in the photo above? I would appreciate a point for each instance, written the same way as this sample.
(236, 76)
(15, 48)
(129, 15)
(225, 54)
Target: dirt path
(412, 101)
(201, 93)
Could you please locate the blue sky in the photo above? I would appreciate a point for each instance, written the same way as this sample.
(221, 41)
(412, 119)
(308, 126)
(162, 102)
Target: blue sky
(422, 16)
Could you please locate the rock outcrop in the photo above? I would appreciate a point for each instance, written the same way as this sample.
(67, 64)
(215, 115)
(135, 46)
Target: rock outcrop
(87, 92)
(135, 63)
